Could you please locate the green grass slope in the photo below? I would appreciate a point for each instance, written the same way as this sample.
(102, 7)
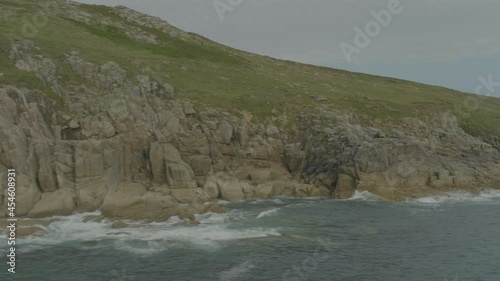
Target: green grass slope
(213, 75)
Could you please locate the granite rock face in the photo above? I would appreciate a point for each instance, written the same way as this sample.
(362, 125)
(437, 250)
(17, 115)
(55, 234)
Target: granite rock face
(132, 148)
(135, 151)
(422, 156)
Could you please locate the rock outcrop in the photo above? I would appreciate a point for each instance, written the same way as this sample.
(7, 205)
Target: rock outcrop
(136, 151)
(421, 156)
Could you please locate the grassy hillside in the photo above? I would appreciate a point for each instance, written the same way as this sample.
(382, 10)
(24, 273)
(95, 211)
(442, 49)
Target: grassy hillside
(214, 75)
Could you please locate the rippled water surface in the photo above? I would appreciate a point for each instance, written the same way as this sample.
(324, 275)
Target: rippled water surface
(451, 237)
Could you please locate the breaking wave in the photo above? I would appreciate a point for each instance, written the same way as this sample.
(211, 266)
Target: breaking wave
(365, 196)
(147, 238)
(268, 213)
(459, 196)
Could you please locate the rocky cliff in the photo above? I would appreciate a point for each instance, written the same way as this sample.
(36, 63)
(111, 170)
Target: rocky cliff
(132, 146)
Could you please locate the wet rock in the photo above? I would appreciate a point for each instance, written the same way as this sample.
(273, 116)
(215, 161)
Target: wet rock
(230, 189)
(119, 225)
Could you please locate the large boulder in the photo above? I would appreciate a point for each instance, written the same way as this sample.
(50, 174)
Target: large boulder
(230, 188)
(201, 164)
(61, 202)
(184, 195)
(179, 175)
(27, 195)
(346, 187)
(265, 190)
(90, 198)
(274, 188)
(211, 188)
(224, 133)
(168, 167)
(259, 176)
(132, 201)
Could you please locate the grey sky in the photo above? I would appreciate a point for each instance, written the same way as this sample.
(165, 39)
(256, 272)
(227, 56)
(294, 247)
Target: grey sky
(442, 42)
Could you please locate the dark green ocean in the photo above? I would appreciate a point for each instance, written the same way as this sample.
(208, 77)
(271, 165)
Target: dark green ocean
(453, 237)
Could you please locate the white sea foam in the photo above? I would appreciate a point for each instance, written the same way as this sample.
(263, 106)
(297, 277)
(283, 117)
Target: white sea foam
(147, 238)
(213, 218)
(200, 233)
(459, 196)
(364, 196)
(274, 200)
(446, 197)
(236, 272)
(268, 213)
(143, 248)
(490, 193)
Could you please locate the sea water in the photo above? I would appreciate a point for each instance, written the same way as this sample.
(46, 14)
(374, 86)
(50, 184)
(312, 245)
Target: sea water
(454, 236)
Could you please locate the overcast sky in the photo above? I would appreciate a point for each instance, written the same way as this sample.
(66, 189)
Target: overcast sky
(442, 42)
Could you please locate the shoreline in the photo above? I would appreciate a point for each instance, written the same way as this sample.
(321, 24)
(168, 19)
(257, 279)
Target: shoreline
(38, 227)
